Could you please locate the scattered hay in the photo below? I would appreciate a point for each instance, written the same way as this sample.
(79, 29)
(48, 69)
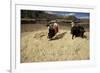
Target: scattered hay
(35, 47)
(39, 35)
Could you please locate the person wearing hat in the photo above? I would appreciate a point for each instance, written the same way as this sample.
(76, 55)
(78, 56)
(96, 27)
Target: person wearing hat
(52, 29)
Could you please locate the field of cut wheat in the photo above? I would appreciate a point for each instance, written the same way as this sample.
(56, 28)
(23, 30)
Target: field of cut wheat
(36, 47)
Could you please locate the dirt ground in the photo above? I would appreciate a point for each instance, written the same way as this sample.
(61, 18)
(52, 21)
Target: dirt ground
(36, 47)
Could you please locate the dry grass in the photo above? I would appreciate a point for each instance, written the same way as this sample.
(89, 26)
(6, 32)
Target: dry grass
(35, 47)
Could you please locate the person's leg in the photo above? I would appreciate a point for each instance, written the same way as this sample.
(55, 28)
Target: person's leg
(72, 36)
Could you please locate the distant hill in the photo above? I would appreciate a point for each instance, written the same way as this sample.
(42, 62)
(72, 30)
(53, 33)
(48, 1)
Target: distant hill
(41, 15)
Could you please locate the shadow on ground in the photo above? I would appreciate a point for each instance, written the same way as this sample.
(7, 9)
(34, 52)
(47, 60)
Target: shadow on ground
(59, 36)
